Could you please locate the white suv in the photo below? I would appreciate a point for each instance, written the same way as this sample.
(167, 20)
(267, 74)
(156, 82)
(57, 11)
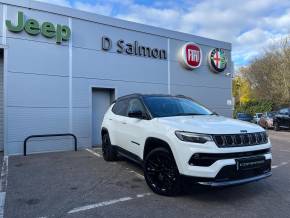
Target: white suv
(174, 138)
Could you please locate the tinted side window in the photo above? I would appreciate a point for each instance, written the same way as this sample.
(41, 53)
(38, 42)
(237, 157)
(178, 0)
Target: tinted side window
(135, 105)
(120, 107)
(283, 111)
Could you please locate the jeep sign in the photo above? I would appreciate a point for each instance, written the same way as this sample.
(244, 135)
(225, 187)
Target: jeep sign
(33, 27)
(190, 55)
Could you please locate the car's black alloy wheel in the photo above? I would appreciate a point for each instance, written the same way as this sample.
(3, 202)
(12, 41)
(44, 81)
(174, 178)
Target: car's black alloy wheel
(109, 153)
(161, 172)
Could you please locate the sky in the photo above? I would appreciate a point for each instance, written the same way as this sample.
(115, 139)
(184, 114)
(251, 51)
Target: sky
(252, 26)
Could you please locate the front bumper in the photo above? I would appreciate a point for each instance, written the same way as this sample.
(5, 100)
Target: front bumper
(230, 175)
(236, 182)
(222, 171)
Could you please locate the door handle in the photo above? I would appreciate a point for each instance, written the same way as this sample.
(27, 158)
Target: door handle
(123, 122)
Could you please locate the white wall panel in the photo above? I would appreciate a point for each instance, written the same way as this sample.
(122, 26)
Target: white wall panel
(37, 90)
(113, 66)
(23, 122)
(198, 77)
(81, 124)
(38, 58)
(210, 97)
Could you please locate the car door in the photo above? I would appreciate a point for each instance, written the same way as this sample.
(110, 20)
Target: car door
(287, 118)
(136, 127)
(279, 117)
(283, 118)
(118, 122)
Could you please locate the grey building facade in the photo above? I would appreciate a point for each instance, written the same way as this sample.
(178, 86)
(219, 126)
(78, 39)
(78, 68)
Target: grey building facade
(61, 68)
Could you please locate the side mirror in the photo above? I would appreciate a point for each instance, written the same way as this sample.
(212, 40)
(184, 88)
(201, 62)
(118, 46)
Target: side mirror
(136, 114)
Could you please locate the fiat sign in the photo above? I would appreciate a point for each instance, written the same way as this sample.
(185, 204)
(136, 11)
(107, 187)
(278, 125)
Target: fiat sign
(190, 55)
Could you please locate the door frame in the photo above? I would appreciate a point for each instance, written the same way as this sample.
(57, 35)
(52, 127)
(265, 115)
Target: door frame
(91, 89)
(5, 119)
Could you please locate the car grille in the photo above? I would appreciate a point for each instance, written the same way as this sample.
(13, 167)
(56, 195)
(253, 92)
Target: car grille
(237, 140)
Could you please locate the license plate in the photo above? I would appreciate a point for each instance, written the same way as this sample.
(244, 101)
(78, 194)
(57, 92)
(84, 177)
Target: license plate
(250, 162)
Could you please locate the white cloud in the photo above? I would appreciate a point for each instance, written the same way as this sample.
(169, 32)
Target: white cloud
(103, 9)
(279, 22)
(166, 18)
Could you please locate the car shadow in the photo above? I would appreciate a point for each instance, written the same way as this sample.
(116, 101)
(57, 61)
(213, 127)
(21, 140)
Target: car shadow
(230, 193)
(198, 192)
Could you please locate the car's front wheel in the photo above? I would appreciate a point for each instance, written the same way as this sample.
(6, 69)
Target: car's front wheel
(109, 153)
(161, 172)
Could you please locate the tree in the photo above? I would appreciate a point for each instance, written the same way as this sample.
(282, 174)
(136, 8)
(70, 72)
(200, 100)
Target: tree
(241, 90)
(269, 75)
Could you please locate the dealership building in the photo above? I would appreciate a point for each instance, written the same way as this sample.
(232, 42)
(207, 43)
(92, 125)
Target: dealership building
(61, 68)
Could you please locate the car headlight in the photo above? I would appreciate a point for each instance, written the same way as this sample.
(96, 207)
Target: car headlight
(193, 137)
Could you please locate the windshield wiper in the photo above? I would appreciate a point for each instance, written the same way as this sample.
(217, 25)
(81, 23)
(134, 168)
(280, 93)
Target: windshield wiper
(188, 114)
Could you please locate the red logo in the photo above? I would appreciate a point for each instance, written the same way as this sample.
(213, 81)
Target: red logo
(190, 55)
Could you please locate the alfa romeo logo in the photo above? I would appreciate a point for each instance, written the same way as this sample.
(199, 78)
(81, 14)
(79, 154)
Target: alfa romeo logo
(217, 60)
(190, 55)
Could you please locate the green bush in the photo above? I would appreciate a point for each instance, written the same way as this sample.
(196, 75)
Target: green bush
(254, 106)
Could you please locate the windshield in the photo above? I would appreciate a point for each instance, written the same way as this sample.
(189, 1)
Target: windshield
(173, 106)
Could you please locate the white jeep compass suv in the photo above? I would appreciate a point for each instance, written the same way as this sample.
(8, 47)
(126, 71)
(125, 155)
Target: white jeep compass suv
(174, 138)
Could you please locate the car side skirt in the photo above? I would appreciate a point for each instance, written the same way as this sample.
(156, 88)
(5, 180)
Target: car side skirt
(129, 155)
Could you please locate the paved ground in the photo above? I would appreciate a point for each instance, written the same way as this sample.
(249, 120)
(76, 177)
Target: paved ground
(81, 184)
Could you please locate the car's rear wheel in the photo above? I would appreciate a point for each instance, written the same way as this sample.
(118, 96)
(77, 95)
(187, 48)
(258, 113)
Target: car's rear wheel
(276, 126)
(161, 172)
(109, 153)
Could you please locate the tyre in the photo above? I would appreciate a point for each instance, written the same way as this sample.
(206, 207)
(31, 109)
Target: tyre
(109, 153)
(276, 126)
(161, 172)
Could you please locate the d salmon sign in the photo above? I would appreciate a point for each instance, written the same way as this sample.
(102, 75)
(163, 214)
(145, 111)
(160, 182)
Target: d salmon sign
(190, 55)
(217, 60)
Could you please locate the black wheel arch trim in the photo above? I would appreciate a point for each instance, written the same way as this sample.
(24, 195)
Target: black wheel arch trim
(154, 140)
(104, 130)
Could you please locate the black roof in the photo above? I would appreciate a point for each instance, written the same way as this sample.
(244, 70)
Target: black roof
(138, 95)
